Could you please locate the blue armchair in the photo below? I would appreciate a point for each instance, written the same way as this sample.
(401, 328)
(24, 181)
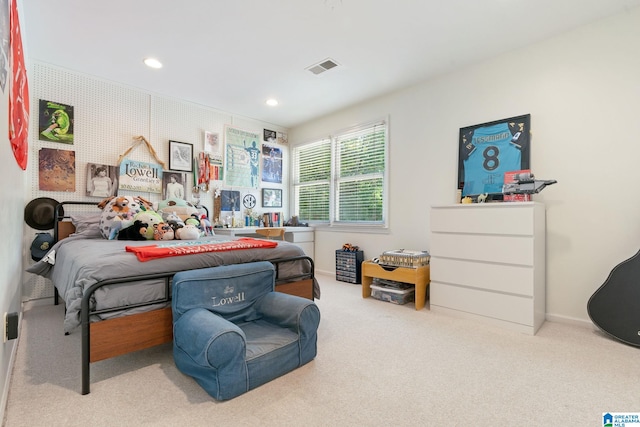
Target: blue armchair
(233, 333)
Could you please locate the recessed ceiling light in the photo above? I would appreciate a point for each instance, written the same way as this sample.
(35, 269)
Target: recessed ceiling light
(272, 102)
(152, 63)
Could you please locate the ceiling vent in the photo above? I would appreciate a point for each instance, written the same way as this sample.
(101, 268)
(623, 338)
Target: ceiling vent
(323, 66)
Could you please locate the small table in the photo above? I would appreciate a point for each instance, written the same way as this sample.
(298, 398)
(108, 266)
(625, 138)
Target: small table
(419, 276)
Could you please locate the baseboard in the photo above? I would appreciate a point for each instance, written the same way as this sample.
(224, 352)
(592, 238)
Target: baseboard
(325, 273)
(570, 321)
(556, 318)
(37, 302)
(12, 361)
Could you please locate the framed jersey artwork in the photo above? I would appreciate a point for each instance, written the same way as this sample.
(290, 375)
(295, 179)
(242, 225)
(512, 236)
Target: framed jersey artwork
(488, 150)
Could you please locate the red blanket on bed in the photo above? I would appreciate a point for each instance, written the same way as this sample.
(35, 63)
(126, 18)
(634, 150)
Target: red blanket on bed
(162, 250)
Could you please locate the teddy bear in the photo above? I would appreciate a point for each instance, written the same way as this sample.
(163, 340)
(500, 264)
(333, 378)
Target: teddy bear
(136, 231)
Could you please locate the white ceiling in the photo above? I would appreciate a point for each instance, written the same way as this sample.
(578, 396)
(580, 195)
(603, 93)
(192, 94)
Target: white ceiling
(234, 54)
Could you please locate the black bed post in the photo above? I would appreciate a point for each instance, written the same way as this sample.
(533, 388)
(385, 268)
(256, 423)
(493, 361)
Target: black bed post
(84, 323)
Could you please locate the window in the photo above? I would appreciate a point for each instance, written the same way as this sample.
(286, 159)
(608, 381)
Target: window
(341, 180)
(312, 179)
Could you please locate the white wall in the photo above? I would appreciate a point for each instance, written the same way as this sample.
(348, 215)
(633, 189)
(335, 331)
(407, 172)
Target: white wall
(108, 116)
(582, 90)
(12, 193)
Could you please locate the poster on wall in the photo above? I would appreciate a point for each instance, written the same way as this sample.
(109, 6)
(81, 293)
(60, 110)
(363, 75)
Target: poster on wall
(102, 180)
(486, 151)
(140, 176)
(243, 158)
(56, 170)
(281, 138)
(55, 122)
(271, 164)
(213, 146)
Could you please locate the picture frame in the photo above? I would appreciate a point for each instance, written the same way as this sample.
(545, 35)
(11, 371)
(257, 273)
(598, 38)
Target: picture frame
(269, 135)
(55, 122)
(180, 156)
(271, 198)
(102, 180)
(487, 150)
(174, 185)
(230, 200)
(213, 145)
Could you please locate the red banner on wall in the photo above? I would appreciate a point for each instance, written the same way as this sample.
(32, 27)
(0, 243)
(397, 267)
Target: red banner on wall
(19, 95)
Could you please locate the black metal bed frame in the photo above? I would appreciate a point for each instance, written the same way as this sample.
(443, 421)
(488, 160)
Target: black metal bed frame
(86, 312)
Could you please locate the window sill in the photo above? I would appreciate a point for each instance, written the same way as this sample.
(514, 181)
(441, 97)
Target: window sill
(368, 229)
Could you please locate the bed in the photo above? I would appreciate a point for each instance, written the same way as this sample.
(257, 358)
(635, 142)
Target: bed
(121, 304)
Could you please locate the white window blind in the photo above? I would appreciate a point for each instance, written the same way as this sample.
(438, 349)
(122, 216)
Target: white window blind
(312, 180)
(360, 166)
(342, 180)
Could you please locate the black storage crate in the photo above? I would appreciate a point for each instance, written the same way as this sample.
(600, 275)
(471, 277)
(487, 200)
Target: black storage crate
(349, 266)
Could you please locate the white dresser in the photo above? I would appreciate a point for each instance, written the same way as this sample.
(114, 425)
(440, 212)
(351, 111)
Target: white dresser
(488, 263)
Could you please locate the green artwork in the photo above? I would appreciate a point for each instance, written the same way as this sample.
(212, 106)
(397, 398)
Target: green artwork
(56, 122)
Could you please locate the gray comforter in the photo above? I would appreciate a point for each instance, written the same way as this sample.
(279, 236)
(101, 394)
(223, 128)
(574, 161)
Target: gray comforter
(80, 262)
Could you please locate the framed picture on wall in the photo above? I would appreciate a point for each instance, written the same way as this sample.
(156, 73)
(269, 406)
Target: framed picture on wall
(173, 185)
(230, 200)
(271, 198)
(180, 156)
(486, 151)
(102, 180)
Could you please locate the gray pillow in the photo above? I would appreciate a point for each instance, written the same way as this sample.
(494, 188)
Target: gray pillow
(87, 225)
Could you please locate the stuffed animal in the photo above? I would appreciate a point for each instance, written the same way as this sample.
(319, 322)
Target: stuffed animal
(193, 219)
(188, 232)
(170, 217)
(181, 208)
(136, 231)
(121, 208)
(151, 218)
(175, 226)
(205, 225)
(163, 231)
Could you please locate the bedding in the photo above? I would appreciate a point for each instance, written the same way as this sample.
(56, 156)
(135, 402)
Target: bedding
(87, 225)
(81, 262)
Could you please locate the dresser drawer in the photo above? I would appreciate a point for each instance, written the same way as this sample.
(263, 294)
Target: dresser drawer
(298, 236)
(513, 279)
(512, 218)
(499, 306)
(478, 247)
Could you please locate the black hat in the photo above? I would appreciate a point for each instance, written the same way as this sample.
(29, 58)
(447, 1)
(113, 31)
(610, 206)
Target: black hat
(39, 213)
(41, 245)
